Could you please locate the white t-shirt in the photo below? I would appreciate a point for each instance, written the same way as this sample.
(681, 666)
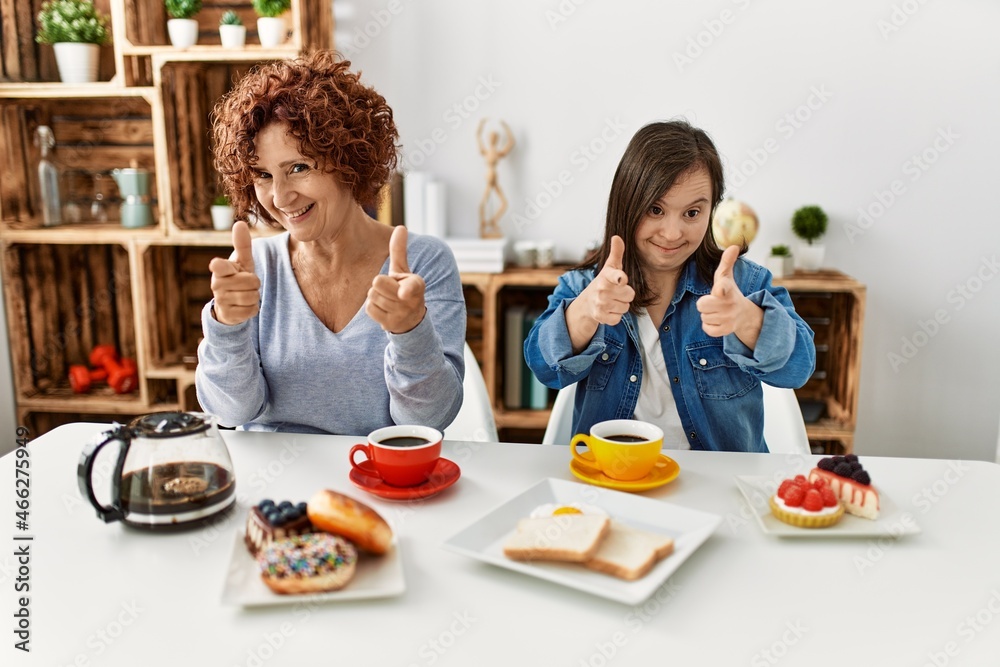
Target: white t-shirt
(656, 400)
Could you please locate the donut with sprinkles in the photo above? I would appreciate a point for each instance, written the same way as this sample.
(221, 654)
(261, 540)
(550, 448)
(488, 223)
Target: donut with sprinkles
(307, 563)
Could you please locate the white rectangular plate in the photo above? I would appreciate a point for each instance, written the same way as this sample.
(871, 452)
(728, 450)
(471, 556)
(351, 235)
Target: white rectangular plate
(484, 539)
(891, 520)
(375, 577)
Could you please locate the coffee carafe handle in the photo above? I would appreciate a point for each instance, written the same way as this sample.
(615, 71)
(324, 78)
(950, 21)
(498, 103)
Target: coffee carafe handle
(85, 471)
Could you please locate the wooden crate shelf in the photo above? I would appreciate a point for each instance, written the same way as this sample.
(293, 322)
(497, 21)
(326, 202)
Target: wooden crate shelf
(93, 137)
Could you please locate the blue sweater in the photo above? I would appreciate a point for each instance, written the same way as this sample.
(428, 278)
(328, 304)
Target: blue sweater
(284, 370)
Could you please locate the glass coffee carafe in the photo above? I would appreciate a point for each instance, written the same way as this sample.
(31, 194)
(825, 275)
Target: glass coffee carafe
(173, 470)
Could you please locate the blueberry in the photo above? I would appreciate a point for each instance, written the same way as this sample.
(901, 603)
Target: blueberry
(285, 504)
(273, 517)
(293, 514)
(264, 504)
(301, 507)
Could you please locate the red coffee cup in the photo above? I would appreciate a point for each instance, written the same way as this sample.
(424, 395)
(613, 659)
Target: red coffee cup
(400, 455)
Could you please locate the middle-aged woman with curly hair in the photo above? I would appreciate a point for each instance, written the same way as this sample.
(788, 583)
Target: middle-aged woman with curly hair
(340, 324)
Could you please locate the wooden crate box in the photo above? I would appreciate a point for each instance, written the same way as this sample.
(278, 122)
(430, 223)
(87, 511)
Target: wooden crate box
(178, 285)
(93, 137)
(62, 300)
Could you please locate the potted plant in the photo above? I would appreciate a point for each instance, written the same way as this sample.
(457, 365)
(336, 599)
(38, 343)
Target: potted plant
(780, 261)
(809, 224)
(76, 31)
(222, 213)
(183, 29)
(271, 27)
(232, 32)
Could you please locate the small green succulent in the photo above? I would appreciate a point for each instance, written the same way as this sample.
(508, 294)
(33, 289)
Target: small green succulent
(231, 18)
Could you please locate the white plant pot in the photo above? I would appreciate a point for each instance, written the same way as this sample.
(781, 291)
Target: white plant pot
(780, 265)
(272, 31)
(810, 257)
(183, 32)
(222, 218)
(77, 61)
(233, 36)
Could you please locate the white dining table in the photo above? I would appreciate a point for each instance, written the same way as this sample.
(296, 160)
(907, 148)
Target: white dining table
(104, 594)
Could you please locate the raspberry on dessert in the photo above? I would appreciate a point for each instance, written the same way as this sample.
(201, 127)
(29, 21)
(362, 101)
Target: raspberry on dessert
(813, 501)
(795, 496)
(783, 489)
(801, 479)
(829, 497)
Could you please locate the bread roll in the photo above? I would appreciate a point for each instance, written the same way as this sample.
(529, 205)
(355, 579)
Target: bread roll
(342, 515)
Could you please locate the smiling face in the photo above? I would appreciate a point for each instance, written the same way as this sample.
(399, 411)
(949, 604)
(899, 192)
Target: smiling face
(674, 226)
(308, 202)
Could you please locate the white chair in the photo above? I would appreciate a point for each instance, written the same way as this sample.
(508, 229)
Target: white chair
(784, 429)
(559, 430)
(474, 421)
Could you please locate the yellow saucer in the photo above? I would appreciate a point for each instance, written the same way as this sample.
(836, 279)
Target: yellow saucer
(664, 472)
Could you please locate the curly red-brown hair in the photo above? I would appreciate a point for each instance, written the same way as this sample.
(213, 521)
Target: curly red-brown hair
(342, 124)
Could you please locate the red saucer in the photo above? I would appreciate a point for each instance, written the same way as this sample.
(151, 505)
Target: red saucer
(445, 474)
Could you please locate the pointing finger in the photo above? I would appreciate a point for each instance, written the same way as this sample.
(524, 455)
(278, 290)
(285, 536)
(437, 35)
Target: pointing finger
(242, 246)
(397, 251)
(616, 254)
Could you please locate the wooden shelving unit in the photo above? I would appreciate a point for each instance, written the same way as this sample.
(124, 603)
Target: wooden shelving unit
(832, 303)
(70, 287)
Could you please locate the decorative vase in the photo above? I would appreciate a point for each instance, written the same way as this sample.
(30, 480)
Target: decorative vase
(780, 265)
(233, 36)
(222, 218)
(810, 257)
(77, 61)
(183, 32)
(271, 30)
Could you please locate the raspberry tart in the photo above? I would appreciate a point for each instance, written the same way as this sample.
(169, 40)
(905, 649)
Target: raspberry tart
(806, 504)
(850, 482)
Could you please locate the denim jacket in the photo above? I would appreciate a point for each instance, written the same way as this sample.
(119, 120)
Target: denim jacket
(715, 381)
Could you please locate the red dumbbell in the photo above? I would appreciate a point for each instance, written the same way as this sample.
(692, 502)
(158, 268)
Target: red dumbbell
(81, 377)
(122, 376)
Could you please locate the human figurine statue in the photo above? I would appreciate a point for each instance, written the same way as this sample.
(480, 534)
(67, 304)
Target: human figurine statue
(488, 227)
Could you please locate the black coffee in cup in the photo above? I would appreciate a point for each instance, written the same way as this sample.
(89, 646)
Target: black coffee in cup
(625, 438)
(404, 441)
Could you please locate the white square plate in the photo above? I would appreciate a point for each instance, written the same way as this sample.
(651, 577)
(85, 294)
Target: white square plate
(484, 539)
(375, 577)
(891, 521)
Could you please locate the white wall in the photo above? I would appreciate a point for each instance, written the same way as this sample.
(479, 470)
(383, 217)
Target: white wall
(884, 84)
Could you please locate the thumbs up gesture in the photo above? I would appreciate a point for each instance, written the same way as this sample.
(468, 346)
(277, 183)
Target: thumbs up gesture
(396, 300)
(726, 310)
(235, 286)
(609, 296)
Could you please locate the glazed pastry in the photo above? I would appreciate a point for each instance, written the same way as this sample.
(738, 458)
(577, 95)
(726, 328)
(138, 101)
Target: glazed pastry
(342, 515)
(307, 563)
(267, 522)
(850, 482)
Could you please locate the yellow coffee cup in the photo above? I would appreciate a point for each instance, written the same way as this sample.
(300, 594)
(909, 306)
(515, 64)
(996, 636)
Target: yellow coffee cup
(623, 449)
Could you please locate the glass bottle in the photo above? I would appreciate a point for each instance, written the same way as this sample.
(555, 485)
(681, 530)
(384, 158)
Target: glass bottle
(48, 178)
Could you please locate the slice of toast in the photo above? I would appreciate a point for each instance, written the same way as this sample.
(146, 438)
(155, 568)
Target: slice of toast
(571, 538)
(629, 553)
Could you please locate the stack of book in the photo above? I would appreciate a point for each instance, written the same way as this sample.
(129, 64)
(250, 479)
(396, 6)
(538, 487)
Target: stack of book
(522, 390)
(478, 255)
